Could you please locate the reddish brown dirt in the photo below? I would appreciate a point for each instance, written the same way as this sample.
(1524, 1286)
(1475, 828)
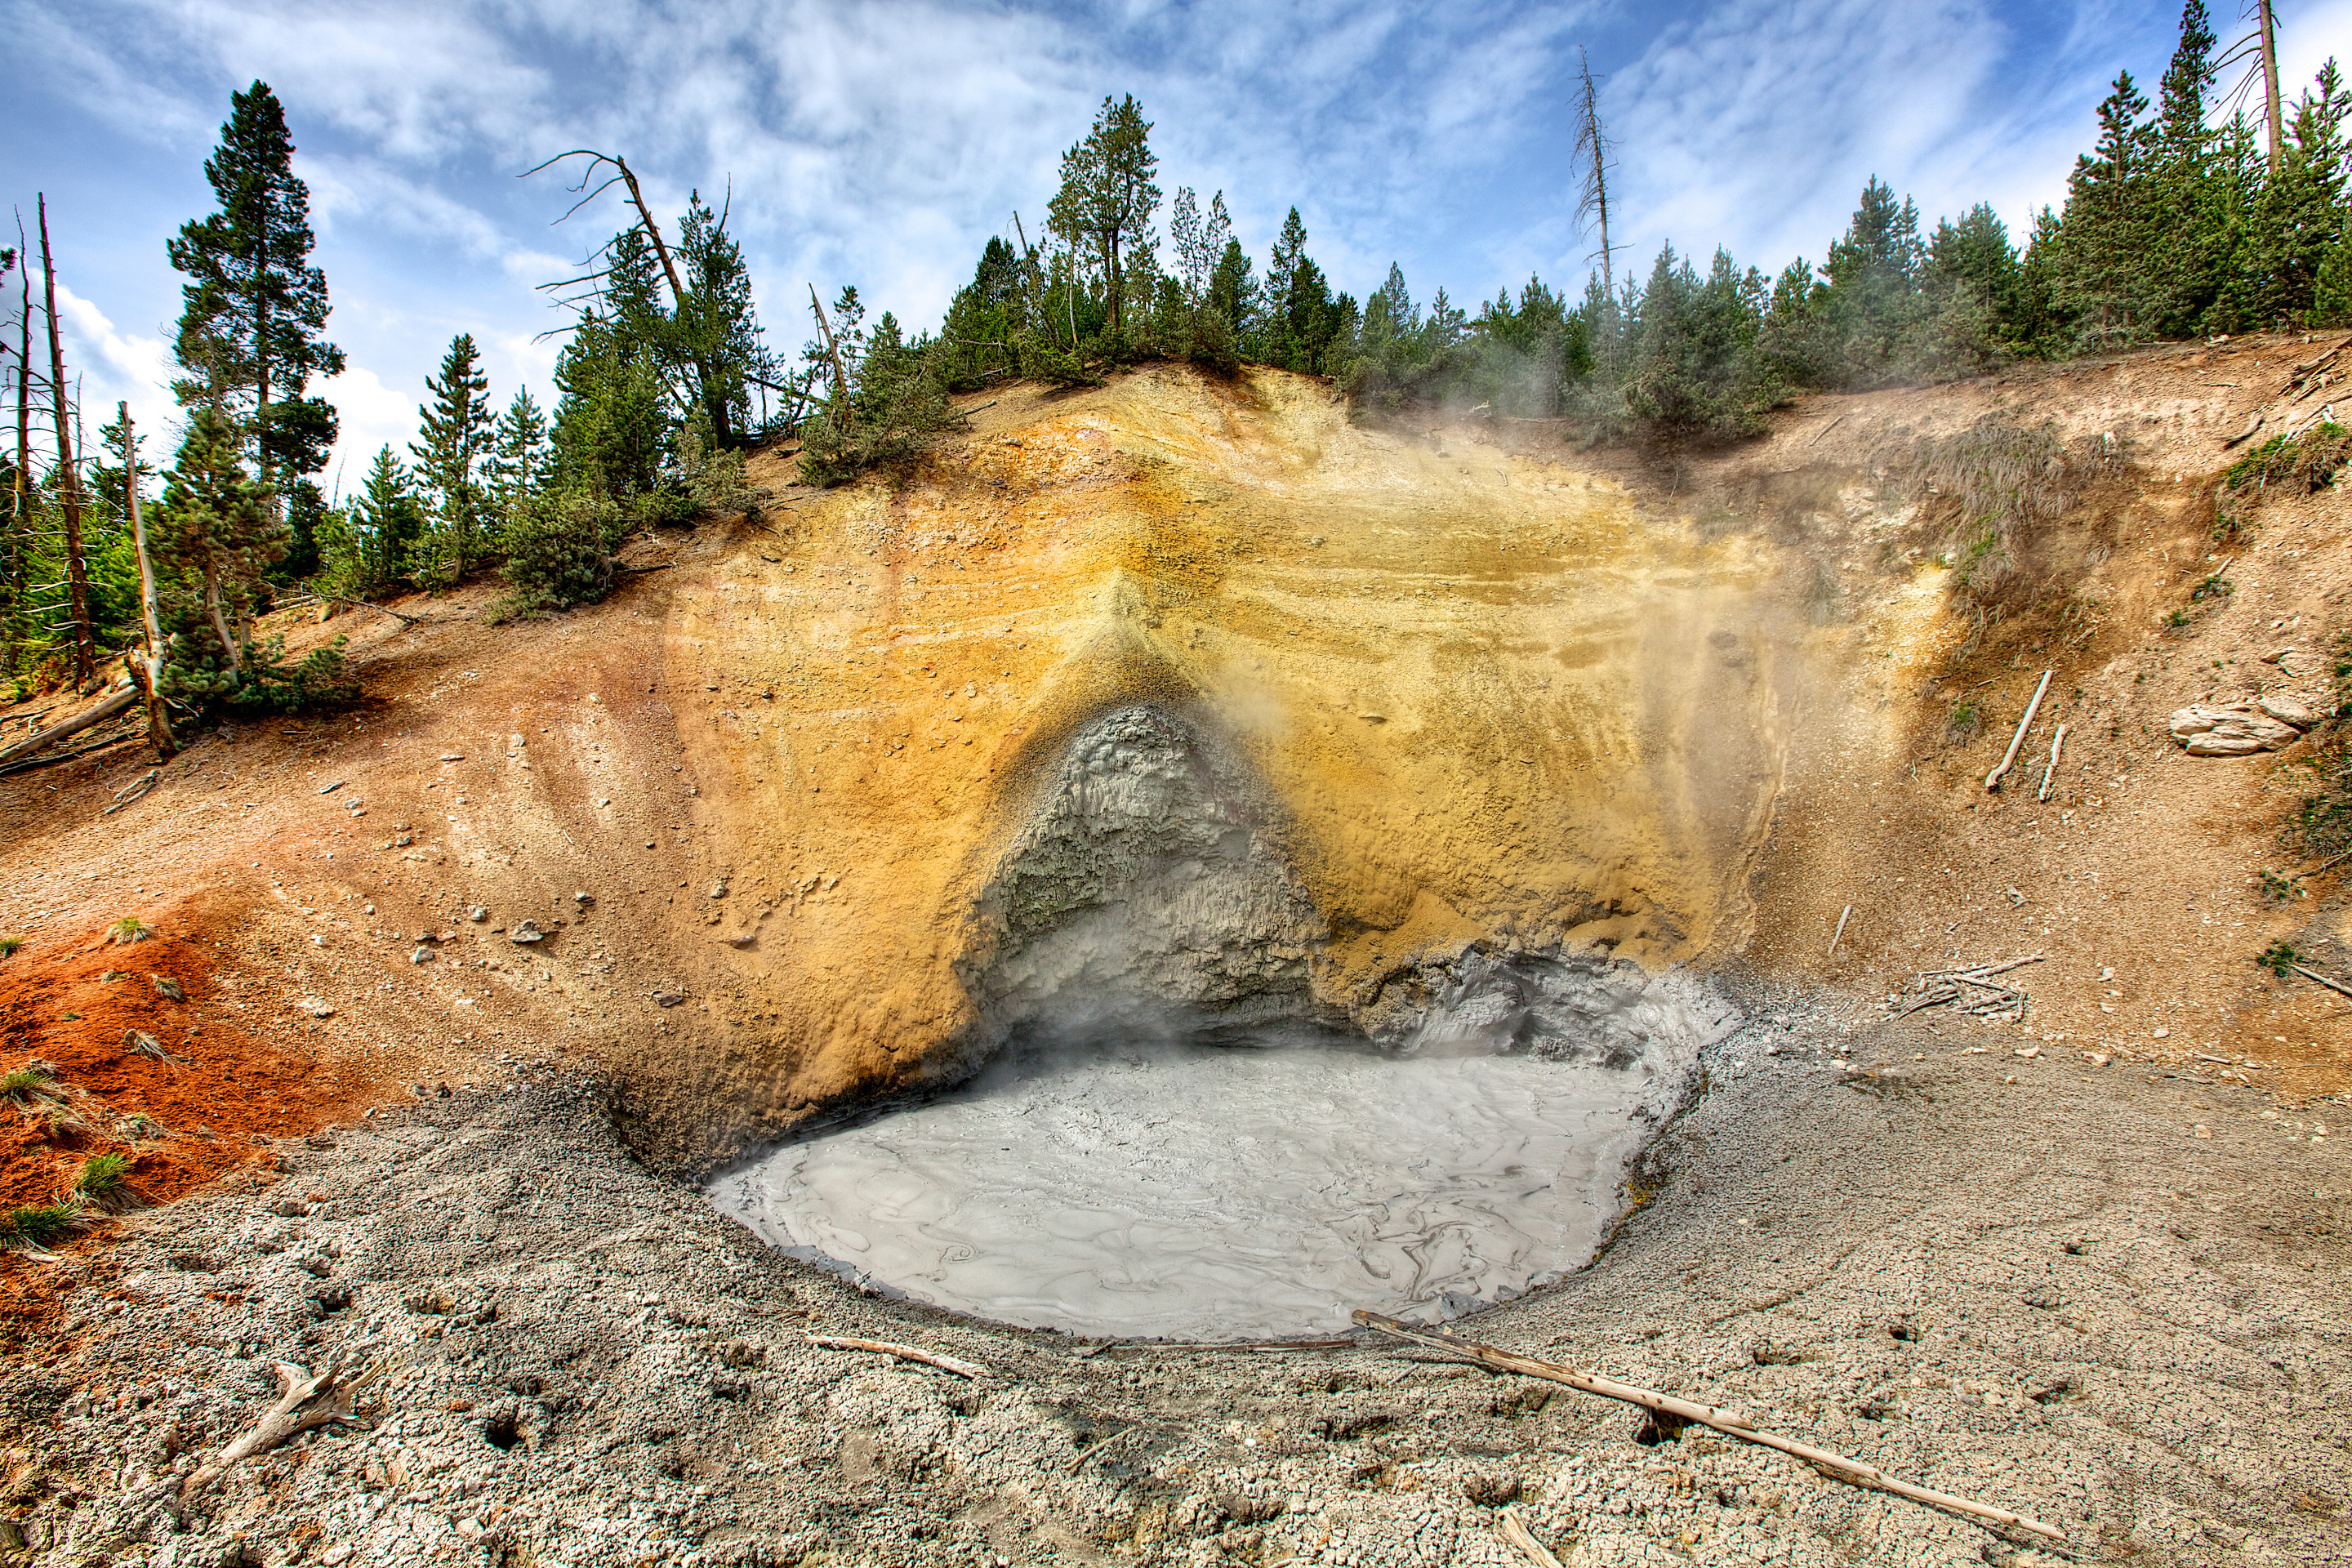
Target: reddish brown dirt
(74, 999)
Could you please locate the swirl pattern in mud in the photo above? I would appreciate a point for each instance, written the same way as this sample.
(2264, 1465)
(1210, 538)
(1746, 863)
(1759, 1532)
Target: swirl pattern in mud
(1216, 1193)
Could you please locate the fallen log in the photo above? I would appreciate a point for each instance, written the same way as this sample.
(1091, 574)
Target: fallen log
(1993, 779)
(903, 1352)
(117, 703)
(1836, 1466)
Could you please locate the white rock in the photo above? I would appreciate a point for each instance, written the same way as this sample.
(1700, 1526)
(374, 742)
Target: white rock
(2287, 711)
(2236, 731)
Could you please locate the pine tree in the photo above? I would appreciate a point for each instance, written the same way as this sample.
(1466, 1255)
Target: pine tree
(253, 307)
(2299, 217)
(1103, 210)
(2102, 276)
(456, 430)
(371, 543)
(220, 534)
(716, 328)
(2191, 225)
(518, 455)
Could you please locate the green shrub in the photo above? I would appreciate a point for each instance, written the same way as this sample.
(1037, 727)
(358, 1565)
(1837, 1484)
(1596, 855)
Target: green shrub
(10, 945)
(559, 552)
(129, 930)
(2279, 959)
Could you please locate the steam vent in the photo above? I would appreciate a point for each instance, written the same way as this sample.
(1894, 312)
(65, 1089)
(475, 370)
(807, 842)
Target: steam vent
(1196, 698)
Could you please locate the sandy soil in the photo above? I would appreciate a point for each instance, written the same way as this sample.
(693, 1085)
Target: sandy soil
(639, 753)
(2114, 1303)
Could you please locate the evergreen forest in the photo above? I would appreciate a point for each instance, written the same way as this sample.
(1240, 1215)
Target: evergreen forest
(158, 549)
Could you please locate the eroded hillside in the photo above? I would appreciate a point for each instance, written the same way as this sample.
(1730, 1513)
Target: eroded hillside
(1354, 715)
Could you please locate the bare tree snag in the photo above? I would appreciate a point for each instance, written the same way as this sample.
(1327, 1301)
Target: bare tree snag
(1594, 147)
(69, 476)
(21, 500)
(831, 349)
(159, 721)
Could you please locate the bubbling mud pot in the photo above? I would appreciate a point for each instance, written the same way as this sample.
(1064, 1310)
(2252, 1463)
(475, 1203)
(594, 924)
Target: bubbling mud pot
(1109, 1179)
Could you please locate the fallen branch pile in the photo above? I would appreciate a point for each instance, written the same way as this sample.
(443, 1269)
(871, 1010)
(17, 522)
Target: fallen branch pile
(1973, 991)
(1720, 1419)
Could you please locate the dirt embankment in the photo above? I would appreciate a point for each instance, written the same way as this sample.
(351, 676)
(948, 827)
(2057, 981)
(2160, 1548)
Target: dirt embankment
(1495, 693)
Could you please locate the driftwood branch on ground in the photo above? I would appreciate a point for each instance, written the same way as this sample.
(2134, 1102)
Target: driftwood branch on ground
(2335, 986)
(1722, 1420)
(1517, 1534)
(904, 1353)
(1839, 935)
(1993, 779)
(119, 703)
(304, 1402)
(2057, 744)
(132, 791)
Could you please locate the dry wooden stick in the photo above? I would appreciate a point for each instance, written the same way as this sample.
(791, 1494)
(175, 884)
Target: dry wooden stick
(2056, 742)
(131, 792)
(1993, 779)
(1976, 970)
(1719, 1418)
(1839, 935)
(304, 1402)
(904, 1353)
(1530, 1547)
(2335, 986)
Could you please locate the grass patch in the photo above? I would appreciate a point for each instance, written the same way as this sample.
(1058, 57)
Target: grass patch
(40, 1224)
(129, 930)
(28, 1086)
(2300, 465)
(104, 1182)
(10, 945)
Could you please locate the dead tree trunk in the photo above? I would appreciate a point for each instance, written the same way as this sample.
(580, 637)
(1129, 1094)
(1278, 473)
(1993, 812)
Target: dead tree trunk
(831, 349)
(2270, 78)
(159, 721)
(20, 501)
(1594, 148)
(69, 478)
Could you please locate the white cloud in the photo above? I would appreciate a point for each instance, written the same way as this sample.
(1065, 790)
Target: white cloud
(105, 366)
(880, 141)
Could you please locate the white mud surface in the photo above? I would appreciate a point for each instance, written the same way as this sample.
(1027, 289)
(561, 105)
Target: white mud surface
(1220, 1193)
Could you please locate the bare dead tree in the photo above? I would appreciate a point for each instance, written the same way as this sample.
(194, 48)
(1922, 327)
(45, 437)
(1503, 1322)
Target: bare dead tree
(706, 378)
(150, 679)
(2269, 25)
(20, 499)
(831, 349)
(1593, 147)
(68, 475)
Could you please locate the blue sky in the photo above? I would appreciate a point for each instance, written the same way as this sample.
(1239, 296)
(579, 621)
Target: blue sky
(882, 142)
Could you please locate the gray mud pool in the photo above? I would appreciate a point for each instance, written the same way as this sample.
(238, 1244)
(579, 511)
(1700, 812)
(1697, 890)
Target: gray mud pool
(1217, 1191)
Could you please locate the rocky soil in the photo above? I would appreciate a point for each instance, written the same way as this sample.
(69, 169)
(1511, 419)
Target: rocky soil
(2117, 1303)
(1410, 709)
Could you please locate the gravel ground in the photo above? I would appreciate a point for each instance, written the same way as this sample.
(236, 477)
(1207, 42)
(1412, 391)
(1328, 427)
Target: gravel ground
(2107, 1298)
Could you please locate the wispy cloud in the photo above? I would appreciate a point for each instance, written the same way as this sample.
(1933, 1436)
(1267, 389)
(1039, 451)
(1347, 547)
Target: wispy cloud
(880, 141)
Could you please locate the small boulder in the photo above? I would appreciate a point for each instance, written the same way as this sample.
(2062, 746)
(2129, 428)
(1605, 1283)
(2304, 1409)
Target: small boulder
(525, 934)
(2238, 730)
(477, 914)
(668, 997)
(2287, 711)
